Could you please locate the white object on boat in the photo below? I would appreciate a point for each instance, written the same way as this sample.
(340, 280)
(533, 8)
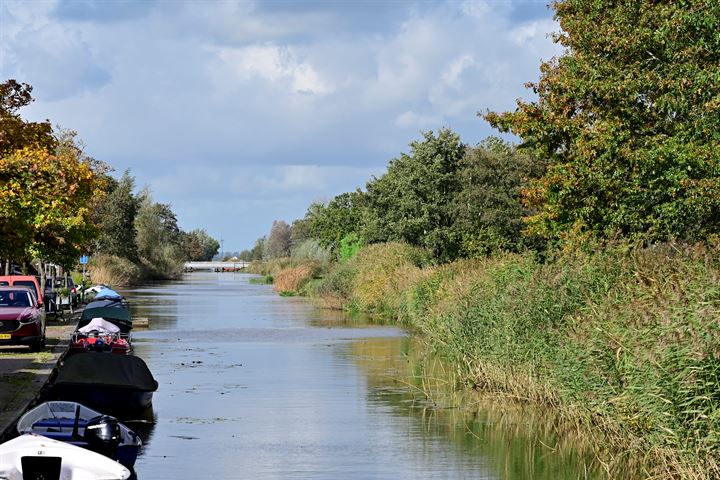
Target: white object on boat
(75, 463)
(101, 325)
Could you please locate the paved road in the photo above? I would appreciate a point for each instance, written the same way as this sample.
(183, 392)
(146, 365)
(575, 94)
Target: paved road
(23, 373)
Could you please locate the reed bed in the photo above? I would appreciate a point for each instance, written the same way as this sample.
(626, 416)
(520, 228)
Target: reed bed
(621, 343)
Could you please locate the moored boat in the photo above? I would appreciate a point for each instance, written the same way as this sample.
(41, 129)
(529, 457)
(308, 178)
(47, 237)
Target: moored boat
(111, 383)
(34, 456)
(100, 335)
(84, 427)
(113, 311)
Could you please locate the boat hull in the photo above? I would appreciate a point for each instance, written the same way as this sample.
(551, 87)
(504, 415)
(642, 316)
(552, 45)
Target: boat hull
(104, 397)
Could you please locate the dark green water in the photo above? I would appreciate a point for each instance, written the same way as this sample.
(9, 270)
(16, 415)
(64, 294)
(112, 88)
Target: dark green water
(257, 386)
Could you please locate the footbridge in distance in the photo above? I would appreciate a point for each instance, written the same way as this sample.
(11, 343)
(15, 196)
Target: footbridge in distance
(216, 266)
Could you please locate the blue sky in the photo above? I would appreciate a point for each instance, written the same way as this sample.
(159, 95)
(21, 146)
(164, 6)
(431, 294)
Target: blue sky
(239, 113)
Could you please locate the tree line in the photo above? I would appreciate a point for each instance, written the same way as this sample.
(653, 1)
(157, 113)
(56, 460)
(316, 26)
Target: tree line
(621, 143)
(57, 202)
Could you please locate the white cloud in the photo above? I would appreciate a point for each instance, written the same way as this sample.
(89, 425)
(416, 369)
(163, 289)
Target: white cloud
(410, 119)
(268, 100)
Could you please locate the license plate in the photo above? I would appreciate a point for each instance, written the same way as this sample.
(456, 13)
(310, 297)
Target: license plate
(5, 336)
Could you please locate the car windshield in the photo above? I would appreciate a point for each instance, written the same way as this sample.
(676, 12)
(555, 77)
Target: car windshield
(15, 298)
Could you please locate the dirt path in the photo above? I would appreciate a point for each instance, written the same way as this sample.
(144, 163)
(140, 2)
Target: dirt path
(23, 373)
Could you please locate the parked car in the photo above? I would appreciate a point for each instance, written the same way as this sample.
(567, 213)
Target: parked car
(30, 281)
(22, 320)
(61, 283)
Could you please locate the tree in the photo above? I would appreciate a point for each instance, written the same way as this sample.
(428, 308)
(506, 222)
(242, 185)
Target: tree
(277, 244)
(116, 219)
(488, 211)
(199, 246)
(629, 120)
(158, 238)
(46, 202)
(341, 216)
(15, 133)
(412, 202)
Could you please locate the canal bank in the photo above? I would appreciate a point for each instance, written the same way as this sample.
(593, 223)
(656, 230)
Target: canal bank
(262, 386)
(23, 374)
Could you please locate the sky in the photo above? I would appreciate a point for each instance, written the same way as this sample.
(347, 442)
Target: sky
(238, 113)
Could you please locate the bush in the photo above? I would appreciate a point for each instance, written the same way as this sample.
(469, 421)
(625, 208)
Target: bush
(383, 272)
(291, 280)
(113, 270)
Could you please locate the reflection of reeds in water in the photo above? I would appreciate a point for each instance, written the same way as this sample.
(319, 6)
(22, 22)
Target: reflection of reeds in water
(518, 440)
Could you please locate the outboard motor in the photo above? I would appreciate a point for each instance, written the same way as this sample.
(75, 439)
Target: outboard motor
(102, 434)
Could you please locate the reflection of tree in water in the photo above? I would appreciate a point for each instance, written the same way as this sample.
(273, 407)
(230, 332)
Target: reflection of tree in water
(516, 441)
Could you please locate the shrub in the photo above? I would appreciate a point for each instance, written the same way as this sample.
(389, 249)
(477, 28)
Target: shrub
(384, 271)
(291, 280)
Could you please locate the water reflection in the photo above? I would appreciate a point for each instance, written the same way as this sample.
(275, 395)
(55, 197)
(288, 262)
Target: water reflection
(253, 385)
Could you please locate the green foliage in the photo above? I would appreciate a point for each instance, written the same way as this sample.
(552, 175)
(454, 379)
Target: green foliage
(277, 244)
(487, 210)
(199, 246)
(413, 201)
(116, 219)
(158, 238)
(622, 341)
(349, 247)
(629, 118)
(343, 215)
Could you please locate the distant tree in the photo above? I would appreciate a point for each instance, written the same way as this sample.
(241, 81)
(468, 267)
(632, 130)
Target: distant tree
(277, 244)
(116, 219)
(199, 246)
(413, 201)
(487, 210)
(628, 118)
(341, 216)
(158, 238)
(256, 253)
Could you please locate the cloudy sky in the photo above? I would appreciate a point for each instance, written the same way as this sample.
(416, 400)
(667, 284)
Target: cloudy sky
(238, 113)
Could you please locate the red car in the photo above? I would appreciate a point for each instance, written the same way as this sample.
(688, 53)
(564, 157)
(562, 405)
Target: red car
(21, 319)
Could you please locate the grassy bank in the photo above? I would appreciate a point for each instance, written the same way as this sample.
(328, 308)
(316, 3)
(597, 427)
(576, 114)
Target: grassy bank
(119, 271)
(622, 343)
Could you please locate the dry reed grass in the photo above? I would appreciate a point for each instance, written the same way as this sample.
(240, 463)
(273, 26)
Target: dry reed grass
(291, 280)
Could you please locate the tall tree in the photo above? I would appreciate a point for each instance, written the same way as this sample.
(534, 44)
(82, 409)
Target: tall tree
(629, 119)
(116, 219)
(413, 201)
(46, 202)
(158, 238)
(278, 242)
(16, 133)
(199, 246)
(488, 211)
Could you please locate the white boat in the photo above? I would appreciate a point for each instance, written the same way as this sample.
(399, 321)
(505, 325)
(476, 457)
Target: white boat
(34, 456)
(82, 426)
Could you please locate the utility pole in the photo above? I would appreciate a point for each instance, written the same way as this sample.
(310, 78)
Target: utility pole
(222, 249)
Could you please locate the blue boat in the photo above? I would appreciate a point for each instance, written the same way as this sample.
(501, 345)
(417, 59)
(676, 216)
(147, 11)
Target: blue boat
(79, 425)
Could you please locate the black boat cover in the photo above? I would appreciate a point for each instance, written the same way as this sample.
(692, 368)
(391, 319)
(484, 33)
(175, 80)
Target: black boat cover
(110, 309)
(106, 370)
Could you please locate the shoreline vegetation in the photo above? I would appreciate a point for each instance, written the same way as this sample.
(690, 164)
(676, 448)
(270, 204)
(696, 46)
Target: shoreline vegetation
(620, 343)
(576, 271)
(58, 203)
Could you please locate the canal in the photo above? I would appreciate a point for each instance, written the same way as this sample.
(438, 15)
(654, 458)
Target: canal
(258, 386)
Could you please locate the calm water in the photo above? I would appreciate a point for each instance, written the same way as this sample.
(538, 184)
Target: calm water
(257, 386)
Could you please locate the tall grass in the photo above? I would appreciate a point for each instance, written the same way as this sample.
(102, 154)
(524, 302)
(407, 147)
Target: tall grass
(622, 343)
(113, 270)
(291, 280)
